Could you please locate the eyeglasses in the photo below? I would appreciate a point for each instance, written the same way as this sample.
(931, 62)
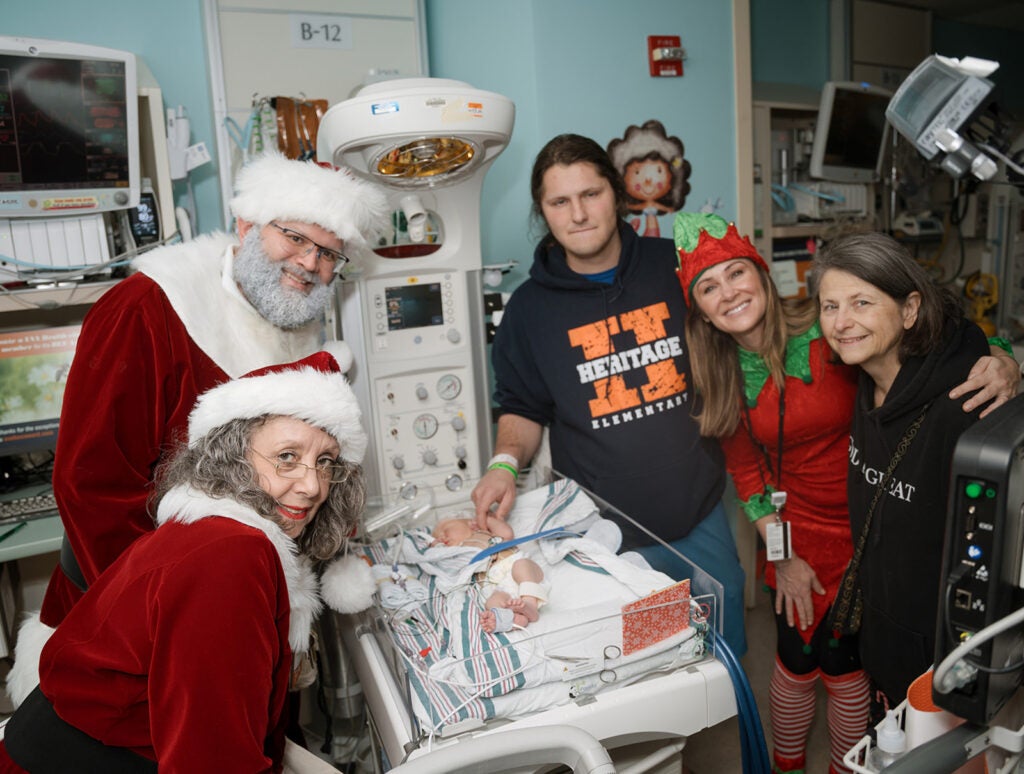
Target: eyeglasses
(326, 469)
(295, 243)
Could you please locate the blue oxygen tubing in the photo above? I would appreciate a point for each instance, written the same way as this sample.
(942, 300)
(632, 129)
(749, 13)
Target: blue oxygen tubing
(753, 746)
(783, 198)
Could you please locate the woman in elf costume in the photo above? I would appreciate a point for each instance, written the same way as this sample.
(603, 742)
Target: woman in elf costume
(782, 406)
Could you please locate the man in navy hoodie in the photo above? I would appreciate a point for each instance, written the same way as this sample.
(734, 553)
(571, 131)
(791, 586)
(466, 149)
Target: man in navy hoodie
(592, 346)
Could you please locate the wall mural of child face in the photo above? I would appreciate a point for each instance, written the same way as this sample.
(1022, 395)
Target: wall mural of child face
(655, 172)
(647, 180)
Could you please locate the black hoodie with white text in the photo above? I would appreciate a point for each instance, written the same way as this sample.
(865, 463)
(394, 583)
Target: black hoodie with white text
(902, 561)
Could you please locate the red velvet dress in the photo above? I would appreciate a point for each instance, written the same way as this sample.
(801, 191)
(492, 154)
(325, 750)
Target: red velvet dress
(814, 465)
(182, 650)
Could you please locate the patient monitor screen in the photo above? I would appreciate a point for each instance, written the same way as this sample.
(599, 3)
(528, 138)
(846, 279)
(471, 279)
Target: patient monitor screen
(922, 97)
(63, 124)
(856, 129)
(414, 306)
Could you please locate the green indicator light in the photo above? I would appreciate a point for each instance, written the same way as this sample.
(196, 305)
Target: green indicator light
(973, 490)
(990, 493)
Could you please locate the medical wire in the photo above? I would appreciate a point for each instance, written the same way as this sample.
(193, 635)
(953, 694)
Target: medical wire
(1010, 162)
(415, 604)
(939, 680)
(121, 259)
(533, 652)
(484, 687)
(533, 655)
(754, 754)
(241, 137)
(951, 582)
(753, 746)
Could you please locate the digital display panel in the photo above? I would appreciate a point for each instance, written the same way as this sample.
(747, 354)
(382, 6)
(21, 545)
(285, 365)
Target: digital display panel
(63, 124)
(856, 129)
(414, 306)
(850, 132)
(923, 96)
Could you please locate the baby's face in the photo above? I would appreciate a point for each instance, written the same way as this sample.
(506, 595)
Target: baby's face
(452, 532)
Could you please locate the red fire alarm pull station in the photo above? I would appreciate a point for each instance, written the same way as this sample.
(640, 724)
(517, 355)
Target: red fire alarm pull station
(665, 56)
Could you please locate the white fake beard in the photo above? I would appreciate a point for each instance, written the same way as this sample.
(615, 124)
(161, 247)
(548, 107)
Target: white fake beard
(260, 281)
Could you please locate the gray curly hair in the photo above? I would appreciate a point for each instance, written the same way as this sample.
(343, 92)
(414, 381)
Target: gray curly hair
(217, 465)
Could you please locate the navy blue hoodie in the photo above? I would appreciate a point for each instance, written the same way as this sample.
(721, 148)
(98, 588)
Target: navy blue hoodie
(605, 367)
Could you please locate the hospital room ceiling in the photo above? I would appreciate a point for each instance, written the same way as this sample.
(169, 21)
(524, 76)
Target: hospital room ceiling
(1006, 14)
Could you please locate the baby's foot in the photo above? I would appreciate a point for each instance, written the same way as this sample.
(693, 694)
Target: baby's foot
(520, 611)
(530, 608)
(515, 604)
(487, 621)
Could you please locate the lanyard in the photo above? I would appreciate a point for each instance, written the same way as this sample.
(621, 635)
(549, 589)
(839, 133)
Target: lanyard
(764, 449)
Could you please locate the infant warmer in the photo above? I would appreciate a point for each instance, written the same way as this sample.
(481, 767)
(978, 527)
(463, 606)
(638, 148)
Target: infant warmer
(412, 308)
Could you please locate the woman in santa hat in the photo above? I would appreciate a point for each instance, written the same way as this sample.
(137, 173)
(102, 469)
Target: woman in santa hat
(182, 653)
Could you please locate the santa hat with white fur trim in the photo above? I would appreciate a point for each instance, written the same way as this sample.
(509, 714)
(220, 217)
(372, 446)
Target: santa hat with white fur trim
(312, 389)
(274, 187)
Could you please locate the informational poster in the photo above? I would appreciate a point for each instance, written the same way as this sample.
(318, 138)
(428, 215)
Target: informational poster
(34, 367)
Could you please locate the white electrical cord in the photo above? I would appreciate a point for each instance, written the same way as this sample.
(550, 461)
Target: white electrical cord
(1005, 159)
(941, 681)
(184, 223)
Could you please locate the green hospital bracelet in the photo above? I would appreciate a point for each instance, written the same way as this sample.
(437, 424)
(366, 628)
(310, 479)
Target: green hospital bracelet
(504, 466)
(1003, 344)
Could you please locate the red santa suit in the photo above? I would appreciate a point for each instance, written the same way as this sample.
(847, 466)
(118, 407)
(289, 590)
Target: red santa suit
(147, 349)
(182, 651)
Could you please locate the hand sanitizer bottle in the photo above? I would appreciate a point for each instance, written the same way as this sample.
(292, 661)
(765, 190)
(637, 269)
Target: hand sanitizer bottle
(890, 744)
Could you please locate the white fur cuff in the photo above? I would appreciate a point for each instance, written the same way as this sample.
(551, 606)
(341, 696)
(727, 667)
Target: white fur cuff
(347, 584)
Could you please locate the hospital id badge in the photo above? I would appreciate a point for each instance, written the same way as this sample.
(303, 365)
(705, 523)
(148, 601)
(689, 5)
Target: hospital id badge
(777, 540)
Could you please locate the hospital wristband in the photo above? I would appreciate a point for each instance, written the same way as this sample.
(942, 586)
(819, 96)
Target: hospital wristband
(504, 466)
(508, 459)
(1003, 344)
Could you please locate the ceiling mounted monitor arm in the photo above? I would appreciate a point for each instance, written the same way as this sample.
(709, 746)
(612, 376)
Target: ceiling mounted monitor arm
(946, 110)
(963, 157)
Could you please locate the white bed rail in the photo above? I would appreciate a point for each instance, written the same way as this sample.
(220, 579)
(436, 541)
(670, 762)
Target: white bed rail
(513, 749)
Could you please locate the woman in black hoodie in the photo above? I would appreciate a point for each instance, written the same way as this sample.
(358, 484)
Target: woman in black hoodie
(881, 311)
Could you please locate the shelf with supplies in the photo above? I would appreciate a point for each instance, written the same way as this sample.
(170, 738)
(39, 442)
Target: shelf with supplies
(783, 118)
(791, 211)
(797, 230)
(787, 201)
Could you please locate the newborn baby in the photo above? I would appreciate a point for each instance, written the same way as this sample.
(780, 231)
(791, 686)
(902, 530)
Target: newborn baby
(512, 584)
